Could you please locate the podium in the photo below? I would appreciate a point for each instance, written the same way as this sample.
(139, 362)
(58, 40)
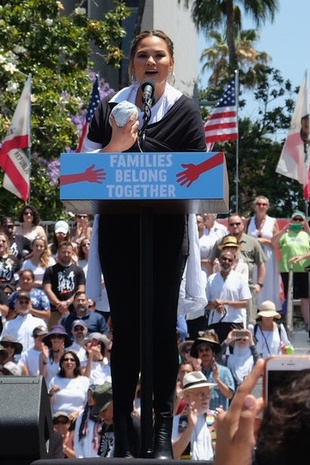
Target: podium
(148, 184)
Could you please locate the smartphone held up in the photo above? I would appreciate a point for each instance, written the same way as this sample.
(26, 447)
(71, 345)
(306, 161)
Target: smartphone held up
(280, 371)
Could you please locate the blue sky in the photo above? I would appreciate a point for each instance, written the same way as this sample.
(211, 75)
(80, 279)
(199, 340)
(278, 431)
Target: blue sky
(286, 40)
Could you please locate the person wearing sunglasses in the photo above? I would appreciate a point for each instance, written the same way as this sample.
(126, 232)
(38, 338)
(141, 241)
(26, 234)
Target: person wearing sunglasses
(61, 424)
(68, 389)
(20, 246)
(9, 348)
(54, 344)
(252, 253)
(81, 230)
(228, 294)
(263, 227)
(29, 226)
(23, 324)
(294, 240)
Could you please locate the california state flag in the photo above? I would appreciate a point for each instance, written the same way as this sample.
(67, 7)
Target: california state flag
(15, 150)
(294, 161)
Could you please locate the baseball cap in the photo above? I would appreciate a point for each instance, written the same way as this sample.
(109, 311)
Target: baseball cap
(39, 331)
(103, 397)
(61, 227)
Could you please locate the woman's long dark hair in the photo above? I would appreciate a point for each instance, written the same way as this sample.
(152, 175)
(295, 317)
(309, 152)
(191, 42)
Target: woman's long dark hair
(77, 369)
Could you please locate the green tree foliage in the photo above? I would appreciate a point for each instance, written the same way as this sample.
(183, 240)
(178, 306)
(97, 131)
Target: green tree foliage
(40, 38)
(259, 152)
(226, 16)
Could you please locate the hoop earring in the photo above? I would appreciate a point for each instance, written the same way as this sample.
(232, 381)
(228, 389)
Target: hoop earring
(133, 80)
(171, 78)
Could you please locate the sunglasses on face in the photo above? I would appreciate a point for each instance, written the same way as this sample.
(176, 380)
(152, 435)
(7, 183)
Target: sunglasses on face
(261, 204)
(78, 328)
(28, 213)
(60, 422)
(56, 336)
(68, 360)
(8, 345)
(226, 259)
(81, 216)
(235, 224)
(297, 219)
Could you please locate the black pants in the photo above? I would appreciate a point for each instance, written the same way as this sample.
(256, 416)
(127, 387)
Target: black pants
(119, 248)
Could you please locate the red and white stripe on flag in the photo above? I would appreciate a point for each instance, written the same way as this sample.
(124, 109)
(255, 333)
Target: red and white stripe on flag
(94, 101)
(15, 153)
(222, 124)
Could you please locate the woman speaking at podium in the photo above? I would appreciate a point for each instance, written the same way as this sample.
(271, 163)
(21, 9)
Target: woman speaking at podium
(174, 125)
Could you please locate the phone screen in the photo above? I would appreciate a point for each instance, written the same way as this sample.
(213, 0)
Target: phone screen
(281, 371)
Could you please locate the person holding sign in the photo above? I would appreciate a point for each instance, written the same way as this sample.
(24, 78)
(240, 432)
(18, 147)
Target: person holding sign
(174, 124)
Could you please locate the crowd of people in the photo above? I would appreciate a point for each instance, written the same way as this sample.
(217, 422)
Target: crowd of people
(52, 327)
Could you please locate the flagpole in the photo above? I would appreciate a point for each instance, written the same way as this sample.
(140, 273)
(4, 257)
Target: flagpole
(30, 77)
(237, 140)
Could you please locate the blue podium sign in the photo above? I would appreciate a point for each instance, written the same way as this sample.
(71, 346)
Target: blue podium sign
(95, 181)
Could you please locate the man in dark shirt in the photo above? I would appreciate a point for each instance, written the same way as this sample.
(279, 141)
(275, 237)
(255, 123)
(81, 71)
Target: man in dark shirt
(61, 281)
(20, 246)
(95, 322)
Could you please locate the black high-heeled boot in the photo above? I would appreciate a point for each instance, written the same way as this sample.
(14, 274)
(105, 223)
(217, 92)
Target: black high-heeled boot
(124, 438)
(162, 436)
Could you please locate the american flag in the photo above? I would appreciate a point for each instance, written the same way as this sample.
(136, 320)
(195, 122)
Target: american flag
(222, 124)
(94, 101)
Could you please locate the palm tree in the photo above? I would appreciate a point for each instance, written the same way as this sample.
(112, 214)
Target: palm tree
(210, 15)
(251, 62)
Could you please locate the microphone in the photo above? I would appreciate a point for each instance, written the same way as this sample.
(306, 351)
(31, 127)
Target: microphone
(148, 89)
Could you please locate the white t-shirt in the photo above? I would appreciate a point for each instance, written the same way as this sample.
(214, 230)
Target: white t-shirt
(72, 395)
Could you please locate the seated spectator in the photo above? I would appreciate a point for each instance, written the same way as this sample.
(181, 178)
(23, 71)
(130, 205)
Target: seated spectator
(10, 369)
(97, 368)
(22, 326)
(20, 246)
(9, 348)
(55, 342)
(9, 264)
(94, 321)
(61, 281)
(270, 338)
(29, 223)
(39, 259)
(191, 426)
(79, 331)
(40, 305)
(180, 404)
(205, 348)
(243, 357)
(68, 389)
(31, 357)
(61, 234)
(87, 432)
(62, 423)
(81, 230)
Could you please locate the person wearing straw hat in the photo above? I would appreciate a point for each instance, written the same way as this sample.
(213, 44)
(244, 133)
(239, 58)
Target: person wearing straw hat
(252, 253)
(228, 295)
(230, 244)
(192, 426)
(270, 337)
(206, 348)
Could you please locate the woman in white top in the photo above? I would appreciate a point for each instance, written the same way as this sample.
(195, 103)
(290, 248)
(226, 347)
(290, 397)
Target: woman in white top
(271, 338)
(29, 223)
(263, 228)
(39, 259)
(68, 389)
